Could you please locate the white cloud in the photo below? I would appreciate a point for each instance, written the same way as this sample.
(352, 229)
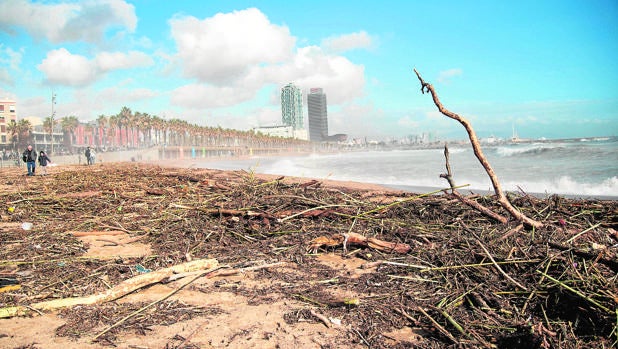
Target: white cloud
(5, 77)
(235, 55)
(341, 80)
(112, 96)
(445, 76)
(64, 68)
(117, 60)
(10, 57)
(219, 49)
(408, 123)
(200, 96)
(348, 42)
(77, 21)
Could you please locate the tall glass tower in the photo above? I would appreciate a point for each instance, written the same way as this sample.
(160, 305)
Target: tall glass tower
(318, 116)
(292, 106)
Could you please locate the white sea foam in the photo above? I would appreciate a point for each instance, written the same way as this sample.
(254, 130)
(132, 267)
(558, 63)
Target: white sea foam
(525, 149)
(554, 168)
(568, 185)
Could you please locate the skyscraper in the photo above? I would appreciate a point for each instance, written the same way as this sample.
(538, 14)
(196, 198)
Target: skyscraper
(292, 106)
(318, 116)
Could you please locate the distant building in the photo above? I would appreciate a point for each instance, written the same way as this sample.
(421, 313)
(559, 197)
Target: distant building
(339, 138)
(318, 115)
(42, 140)
(7, 113)
(292, 106)
(281, 131)
(275, 131)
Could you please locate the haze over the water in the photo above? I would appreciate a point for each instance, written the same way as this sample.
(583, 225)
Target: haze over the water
(548, 68)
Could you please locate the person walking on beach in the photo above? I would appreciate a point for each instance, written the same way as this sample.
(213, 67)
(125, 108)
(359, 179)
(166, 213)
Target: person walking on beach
(93, 157)
(29, 157)
(87, 153)
(43, 160)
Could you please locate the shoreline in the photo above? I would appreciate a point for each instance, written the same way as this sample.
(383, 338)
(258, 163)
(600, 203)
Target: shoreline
(466, 191)
(415, 189)
(151, 156)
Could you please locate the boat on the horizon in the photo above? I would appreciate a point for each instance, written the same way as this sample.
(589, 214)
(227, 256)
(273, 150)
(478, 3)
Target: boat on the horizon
(515, 138)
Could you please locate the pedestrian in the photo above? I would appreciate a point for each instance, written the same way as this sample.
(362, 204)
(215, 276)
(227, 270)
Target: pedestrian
(29, 157)
(43, 160)
(88, 155)
(93, 157)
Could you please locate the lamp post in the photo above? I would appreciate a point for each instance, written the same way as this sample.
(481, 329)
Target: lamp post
(53, 114)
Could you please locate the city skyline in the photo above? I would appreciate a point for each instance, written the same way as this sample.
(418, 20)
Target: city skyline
(547, 68)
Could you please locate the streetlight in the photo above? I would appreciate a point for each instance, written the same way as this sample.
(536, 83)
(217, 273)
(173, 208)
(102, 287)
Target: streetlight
(53, 114)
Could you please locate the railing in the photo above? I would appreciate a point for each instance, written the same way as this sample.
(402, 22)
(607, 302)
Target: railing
(10, 162)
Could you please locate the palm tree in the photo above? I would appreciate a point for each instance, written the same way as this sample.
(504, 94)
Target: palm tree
(69, 125)
(124, 119)
(48, 128)
(146, 123)
(24, 130)
(89, 134)
(13, 132)
(134, 122)
(102, 124)
(113, 125)
(158, 124)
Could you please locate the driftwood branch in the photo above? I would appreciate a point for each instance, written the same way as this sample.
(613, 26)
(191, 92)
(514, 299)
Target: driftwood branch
(449, 177)
(476, 147)
(357, 239)
(173, 292)
(118, 291)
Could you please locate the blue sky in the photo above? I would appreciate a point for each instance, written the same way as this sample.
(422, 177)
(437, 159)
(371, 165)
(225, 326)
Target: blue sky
(549, 68)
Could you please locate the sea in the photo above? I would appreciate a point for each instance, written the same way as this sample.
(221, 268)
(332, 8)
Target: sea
(583, 167)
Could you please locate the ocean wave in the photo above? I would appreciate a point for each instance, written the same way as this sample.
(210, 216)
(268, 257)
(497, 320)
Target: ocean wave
(568, 186)
(533, 149)
(456, 150)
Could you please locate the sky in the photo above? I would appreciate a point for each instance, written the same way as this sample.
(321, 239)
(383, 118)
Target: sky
(542, 68)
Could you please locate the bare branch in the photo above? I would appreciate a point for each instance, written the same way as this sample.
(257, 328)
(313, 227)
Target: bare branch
(476, 147)
(449, 177)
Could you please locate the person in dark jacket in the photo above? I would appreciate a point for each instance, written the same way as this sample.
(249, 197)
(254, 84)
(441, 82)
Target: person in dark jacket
(43, 160)
(88, 158)
(29, 157)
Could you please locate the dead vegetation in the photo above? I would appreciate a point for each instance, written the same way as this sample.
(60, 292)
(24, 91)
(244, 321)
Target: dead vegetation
(463, 281)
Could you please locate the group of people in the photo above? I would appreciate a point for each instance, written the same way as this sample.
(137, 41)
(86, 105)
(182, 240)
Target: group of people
(90, 156)
(30, 157)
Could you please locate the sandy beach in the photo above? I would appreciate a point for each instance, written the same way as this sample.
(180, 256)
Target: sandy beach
(140, 255)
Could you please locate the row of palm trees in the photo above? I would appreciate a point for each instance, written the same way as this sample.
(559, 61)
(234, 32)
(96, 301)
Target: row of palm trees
(136, 129)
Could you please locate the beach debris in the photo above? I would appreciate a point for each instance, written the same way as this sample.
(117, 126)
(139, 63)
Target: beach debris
(140, 269)
(357, 239)
(120, 290)
(452, 286)
(320, 317)
(8, 283)
(95, 233)
(478, 152)
(474, 204)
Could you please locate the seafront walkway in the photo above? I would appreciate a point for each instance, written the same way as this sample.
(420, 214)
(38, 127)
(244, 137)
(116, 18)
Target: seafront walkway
(159, 153)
